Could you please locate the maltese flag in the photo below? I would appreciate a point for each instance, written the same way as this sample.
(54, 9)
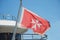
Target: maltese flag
(33, 21)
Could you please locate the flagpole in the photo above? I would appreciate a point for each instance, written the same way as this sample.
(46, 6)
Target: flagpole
(18, 17)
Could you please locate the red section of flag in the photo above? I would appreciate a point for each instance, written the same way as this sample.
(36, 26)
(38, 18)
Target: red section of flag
(34, 22)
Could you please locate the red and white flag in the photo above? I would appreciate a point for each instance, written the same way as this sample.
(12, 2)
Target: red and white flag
(33, 21)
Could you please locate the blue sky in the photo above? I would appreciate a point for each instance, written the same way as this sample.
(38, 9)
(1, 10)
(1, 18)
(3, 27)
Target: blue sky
(48, 9)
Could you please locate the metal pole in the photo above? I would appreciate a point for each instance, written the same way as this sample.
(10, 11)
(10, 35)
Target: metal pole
(18, 17)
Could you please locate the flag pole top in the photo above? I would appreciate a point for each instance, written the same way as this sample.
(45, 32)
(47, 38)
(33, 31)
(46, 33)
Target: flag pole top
(20, 0)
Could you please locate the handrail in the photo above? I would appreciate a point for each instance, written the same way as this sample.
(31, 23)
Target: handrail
(7, 17)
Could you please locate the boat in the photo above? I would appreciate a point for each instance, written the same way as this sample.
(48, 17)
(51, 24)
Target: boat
(7, 24)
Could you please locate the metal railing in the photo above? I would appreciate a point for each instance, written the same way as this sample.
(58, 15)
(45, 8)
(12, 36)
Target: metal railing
(8, 36)
(7, 17)
(30, 37)
(33, 37)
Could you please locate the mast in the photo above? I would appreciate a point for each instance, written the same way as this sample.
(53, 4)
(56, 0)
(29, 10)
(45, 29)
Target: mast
(17, 20)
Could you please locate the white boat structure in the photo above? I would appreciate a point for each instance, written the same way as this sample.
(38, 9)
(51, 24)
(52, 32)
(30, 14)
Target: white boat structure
(7, 24)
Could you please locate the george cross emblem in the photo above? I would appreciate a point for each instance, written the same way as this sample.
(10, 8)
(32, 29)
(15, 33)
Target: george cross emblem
(36, 23)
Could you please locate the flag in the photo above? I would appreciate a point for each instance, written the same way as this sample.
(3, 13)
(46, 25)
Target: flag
(33, 21)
